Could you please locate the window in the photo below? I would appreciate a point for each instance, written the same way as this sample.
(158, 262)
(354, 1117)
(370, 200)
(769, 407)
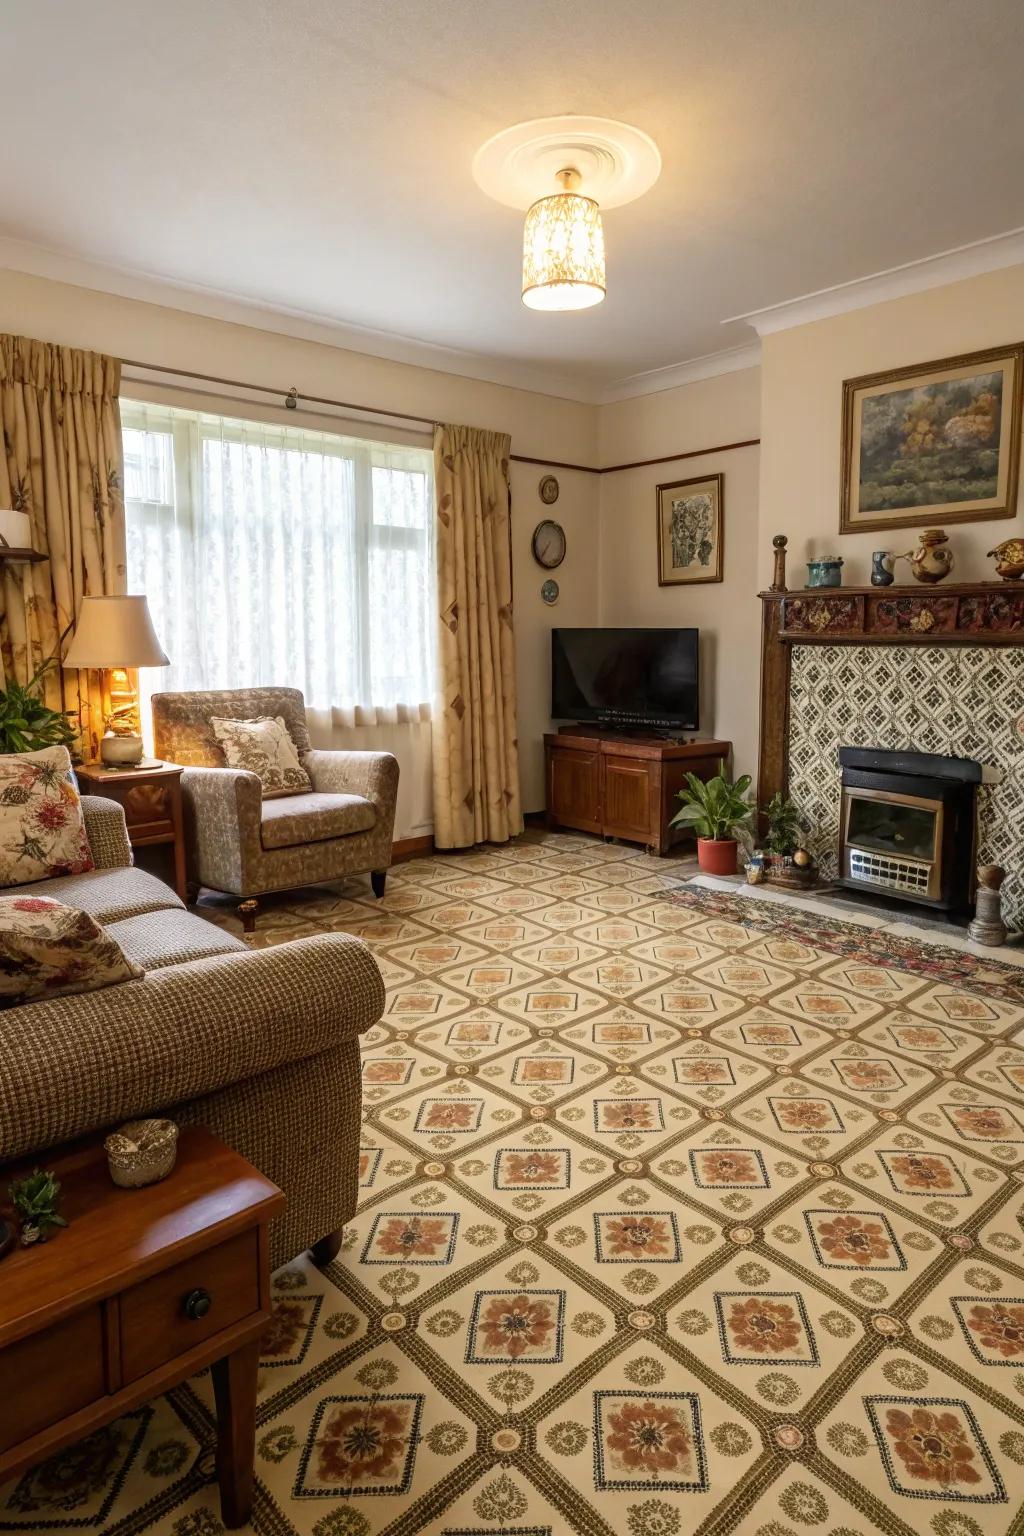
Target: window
(279, 555)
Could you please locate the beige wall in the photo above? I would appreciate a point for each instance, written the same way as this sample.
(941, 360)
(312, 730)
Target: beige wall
(802, 372)
(540, 424)
(710, 411)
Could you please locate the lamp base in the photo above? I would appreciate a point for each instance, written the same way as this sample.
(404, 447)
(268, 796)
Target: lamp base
(120, 751)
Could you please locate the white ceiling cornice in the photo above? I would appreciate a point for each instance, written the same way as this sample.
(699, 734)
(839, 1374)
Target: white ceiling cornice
(989, 255)
(59, 266)
(655, 380)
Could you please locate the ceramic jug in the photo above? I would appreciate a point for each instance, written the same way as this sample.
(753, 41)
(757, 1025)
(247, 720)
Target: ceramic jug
(882, 562)
(931, 560)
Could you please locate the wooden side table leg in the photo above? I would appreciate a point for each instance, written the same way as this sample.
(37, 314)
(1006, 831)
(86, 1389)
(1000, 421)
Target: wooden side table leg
(234, 1388)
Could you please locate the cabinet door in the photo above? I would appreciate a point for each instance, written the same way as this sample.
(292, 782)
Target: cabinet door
(574, 788)
(627, 799)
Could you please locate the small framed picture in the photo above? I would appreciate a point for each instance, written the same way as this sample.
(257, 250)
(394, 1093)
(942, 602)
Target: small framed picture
(935, 442)
(690, 531)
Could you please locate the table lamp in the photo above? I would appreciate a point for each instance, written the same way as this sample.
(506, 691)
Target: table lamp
(113, 634)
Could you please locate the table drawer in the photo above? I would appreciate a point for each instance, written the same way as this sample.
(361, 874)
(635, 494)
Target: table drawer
(182, 1307)
(50, 1375)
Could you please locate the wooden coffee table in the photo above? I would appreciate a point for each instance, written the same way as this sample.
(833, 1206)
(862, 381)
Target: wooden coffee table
(141, 1290)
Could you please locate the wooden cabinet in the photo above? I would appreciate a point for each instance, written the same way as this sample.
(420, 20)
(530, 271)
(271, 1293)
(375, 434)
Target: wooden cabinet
(144, 1288)
(623, 785)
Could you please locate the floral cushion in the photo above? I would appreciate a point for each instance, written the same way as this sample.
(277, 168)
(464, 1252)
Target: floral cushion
(47, 949)
(42, 829)
(264, 747)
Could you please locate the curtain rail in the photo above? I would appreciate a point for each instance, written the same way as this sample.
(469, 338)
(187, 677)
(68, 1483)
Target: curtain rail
(425, 421)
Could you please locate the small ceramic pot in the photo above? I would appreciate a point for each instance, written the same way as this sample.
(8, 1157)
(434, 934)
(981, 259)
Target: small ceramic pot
(882, 572)
(1009, 558)
(826, 572)
(717, 855)
(932, 559)
(141, 1152)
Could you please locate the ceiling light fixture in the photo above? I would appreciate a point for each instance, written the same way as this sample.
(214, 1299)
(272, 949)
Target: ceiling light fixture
(563, 249)
(563, 237)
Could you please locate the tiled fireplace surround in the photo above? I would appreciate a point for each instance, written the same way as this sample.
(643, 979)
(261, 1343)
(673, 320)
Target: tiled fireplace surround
(967, 701)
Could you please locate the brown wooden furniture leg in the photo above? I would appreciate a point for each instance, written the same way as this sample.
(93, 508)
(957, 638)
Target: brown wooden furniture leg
(327, 1248)
(378, 880)
(247, 911)
(234, 1388)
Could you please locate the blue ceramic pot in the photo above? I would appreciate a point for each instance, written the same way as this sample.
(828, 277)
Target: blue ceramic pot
(826, 572)
(882, 574)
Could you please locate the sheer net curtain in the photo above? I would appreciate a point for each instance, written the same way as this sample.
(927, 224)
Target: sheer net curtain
(273, 555)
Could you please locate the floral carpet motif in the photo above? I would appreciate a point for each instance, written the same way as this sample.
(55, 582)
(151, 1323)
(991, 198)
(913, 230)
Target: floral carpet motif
(680, 1212)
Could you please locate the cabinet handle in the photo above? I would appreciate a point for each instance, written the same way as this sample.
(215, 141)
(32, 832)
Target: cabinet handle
(198, 1304)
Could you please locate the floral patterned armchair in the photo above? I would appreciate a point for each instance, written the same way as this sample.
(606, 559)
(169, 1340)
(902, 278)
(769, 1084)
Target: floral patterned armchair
(245, 845)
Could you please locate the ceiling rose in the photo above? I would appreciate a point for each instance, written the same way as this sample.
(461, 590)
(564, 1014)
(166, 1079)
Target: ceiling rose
(562, 170)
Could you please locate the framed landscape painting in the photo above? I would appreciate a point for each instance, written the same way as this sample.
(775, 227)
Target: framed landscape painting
(936, 442)
(690, 531)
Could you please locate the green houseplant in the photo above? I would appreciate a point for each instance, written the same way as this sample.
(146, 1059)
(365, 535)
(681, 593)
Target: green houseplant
(26, 723)
(783, 825)
(35, 1201)
(720, 812)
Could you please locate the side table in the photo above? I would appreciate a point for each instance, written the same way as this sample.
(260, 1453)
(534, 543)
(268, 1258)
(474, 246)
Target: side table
(150, 796)
(141, 1290)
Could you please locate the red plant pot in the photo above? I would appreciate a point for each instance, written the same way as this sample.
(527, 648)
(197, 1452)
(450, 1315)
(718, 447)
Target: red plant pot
(717, 855)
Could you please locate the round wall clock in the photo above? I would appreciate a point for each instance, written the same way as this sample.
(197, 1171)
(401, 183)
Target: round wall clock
(548, 489)
(549, 544)
(549, 592)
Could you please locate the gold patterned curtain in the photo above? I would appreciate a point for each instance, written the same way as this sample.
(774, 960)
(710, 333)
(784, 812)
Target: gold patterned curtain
(62, 464)
(476, 755)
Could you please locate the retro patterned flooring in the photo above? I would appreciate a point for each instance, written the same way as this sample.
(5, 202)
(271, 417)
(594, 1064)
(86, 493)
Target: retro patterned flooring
(680, 1213)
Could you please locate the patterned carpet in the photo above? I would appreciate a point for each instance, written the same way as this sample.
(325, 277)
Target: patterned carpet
(681, 1213)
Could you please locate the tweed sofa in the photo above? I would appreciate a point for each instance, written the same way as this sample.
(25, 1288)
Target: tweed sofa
(242, 844)
(261, 1046)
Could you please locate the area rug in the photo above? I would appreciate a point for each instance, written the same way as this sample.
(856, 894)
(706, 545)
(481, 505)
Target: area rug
(681, 1212)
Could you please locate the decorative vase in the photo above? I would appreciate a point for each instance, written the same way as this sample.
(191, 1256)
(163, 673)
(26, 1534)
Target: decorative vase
(1009, 558)
(141, 1152)
(931, 560)
(120, 751)
(825, 572)
(717, 855)
(882, 573)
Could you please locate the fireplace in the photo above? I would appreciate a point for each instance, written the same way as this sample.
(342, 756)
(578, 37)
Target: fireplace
(907, 825)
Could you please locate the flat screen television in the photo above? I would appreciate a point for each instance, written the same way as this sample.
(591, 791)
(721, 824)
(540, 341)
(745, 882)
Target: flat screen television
(626, 677)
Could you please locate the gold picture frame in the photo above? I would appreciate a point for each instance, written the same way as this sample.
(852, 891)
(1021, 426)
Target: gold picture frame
(690, 529)
(934, 442)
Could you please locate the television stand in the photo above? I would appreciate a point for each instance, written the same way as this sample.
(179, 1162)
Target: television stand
(623, 784)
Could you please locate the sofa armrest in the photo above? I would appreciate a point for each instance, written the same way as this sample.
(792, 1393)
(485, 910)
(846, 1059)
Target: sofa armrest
(223, 807)
(107, 833)
(70, 1065)
(374, 775)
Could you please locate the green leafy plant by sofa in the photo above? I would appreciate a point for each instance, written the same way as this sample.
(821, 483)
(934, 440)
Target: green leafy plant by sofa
(35, 1200)
(784, 827)
(26, 723)
(716, 808)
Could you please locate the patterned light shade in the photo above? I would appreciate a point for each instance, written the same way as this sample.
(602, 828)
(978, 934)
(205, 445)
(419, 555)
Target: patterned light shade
(563, 253)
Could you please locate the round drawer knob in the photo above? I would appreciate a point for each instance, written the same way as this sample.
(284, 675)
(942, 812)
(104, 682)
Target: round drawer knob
(197, 1304)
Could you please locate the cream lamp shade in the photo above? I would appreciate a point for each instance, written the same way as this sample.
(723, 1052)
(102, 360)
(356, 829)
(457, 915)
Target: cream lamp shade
(115, 632)
(563, 250)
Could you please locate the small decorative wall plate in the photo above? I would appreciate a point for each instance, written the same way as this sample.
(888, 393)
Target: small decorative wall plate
(549, 544)
(548, 489)
(549, 592)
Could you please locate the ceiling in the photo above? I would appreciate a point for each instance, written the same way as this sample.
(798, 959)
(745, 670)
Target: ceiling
(316, 156)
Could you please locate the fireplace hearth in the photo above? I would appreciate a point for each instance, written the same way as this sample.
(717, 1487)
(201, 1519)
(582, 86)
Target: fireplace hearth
(907, 825)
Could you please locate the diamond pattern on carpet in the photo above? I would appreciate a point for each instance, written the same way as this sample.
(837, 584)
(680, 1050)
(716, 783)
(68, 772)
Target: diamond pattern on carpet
(679, 1212)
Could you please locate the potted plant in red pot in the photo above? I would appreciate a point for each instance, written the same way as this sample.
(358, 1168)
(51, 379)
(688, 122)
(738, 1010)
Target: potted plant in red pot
(720, 813)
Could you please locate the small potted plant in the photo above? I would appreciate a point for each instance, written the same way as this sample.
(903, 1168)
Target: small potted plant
(720, 812)
(785, 862)
(35, 1201)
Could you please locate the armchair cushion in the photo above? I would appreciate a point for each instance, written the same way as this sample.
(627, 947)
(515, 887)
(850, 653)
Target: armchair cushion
(265, 748)
(313, 818)
(181, 721)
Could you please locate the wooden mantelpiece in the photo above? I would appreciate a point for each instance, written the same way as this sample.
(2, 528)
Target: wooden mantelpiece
(947, 613)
